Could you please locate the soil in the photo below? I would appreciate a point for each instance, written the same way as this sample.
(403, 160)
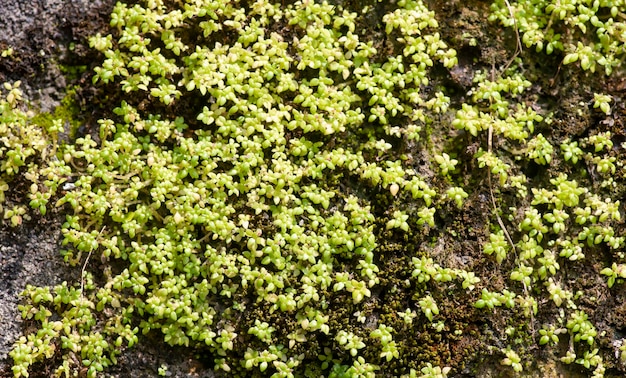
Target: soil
(51, 53)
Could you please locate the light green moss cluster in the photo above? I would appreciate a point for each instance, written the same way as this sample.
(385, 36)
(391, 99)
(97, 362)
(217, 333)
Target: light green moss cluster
(251, 203)
(550, 227)
(258, 195)
(27, 151)
(589, 32)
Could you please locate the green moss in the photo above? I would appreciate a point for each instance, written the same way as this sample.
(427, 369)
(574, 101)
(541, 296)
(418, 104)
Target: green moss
(68, 111)
(235, 204)
(588, 33)
(286, 198)
(27, 152)
(73, 72)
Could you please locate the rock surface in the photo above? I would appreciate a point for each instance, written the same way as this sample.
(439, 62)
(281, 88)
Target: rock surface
(28, 255)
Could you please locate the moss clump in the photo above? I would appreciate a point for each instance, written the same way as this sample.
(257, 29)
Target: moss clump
(67, 112)
(588, 32)
(266, 195)
(27, 156)
(249, 201)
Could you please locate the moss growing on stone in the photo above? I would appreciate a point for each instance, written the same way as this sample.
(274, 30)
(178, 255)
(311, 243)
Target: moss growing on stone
(268, 193)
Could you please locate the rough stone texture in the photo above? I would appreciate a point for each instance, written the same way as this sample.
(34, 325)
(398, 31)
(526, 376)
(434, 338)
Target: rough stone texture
(39, 32)
(28, 255)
